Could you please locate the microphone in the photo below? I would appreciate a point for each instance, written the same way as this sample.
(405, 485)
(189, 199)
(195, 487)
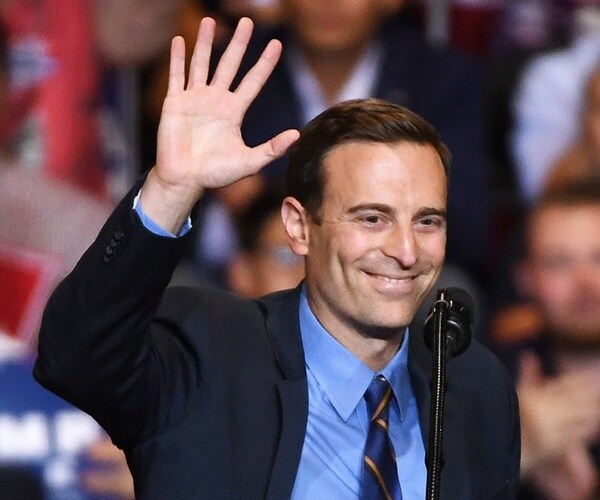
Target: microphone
(454, 305)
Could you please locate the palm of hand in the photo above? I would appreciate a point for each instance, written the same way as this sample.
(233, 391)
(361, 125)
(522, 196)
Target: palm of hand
(199, 126)
(199, 139)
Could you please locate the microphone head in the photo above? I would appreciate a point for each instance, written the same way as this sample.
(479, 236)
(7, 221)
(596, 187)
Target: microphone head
(461, 302)
(460, 320)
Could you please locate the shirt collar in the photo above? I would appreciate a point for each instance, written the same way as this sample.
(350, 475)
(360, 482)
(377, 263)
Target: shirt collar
(340, 374)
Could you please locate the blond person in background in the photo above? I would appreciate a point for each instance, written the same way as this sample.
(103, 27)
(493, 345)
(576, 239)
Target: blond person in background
(582, 159)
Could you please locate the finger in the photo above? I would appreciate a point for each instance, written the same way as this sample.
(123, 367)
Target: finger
(232, 57)
(255, 79)
(272, 149)
(200, 62)
(176, 66)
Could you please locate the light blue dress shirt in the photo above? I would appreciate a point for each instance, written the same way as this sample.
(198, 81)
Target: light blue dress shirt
(152, 226)
(331, 462)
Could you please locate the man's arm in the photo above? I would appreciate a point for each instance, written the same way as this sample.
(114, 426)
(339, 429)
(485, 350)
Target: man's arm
(98, 346)
(200, 144)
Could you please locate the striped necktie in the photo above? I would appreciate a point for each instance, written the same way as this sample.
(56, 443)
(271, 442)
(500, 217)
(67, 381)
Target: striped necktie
(380, 476)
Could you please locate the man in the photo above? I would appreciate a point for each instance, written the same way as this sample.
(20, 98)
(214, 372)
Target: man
(343, 50)
(371, 48)
(557, 367)
(216, 396)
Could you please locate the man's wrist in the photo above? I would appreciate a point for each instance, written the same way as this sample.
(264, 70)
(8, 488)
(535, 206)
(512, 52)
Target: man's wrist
(154, 226)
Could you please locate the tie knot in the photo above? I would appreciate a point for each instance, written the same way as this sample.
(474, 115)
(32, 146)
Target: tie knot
(377, 396)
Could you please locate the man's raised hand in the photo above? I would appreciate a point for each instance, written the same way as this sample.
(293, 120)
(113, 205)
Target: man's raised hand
(199, 142)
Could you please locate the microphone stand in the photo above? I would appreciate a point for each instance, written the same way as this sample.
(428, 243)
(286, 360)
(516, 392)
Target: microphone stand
(438, 388)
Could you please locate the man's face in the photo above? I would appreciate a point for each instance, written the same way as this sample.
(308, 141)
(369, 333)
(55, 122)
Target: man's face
(336, 26)
(379, 244)
(564, 271)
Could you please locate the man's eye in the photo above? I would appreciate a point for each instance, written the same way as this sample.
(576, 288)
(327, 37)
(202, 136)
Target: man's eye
(372, 219)
(431, 222)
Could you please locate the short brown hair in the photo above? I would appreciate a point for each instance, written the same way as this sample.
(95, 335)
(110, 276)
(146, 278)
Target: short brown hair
(579, 192)
(368, 120)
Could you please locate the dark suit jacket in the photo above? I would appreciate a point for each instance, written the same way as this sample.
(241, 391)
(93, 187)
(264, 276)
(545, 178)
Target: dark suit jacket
(207, 392)
(443, 86)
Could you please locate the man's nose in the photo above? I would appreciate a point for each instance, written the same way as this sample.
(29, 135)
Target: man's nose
(401, 244)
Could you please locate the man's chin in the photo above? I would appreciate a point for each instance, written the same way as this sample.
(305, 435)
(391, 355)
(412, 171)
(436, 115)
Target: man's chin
(387, 328)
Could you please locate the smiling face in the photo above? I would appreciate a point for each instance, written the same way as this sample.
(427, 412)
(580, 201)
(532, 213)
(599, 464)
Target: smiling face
(379, 243)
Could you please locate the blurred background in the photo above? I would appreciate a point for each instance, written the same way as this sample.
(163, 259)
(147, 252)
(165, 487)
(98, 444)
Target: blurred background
(513, 86)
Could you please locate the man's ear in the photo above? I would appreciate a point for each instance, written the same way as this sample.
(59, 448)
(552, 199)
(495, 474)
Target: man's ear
(295, 223)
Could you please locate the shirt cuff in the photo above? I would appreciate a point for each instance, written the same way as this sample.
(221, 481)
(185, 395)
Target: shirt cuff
(153, 227)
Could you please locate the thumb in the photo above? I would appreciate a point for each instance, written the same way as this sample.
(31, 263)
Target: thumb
(275, 147)
(530, 370)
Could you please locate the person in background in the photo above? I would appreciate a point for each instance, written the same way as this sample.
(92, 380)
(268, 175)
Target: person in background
(556, 358)
(548, 100)
(264, 262)
(71, 68)
(582, 159)
(48, 448)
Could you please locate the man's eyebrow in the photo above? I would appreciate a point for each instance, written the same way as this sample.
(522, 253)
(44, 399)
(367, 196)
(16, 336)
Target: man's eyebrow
(386, 209)
(428, 211)
(378, 207)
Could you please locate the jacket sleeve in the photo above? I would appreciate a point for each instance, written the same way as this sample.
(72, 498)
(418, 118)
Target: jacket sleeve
(96, 347)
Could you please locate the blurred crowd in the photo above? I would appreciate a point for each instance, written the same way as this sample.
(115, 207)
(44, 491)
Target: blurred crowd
(513, 87)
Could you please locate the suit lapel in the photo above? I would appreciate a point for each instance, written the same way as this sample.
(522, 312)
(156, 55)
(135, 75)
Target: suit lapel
(281, 312)
(282, 320)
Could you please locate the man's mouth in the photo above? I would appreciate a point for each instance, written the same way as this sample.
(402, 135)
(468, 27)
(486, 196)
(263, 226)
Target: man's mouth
(393, 279)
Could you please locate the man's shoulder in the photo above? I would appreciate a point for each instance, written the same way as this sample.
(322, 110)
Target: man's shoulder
(182, 301)
(478, 358)
(476, 369)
